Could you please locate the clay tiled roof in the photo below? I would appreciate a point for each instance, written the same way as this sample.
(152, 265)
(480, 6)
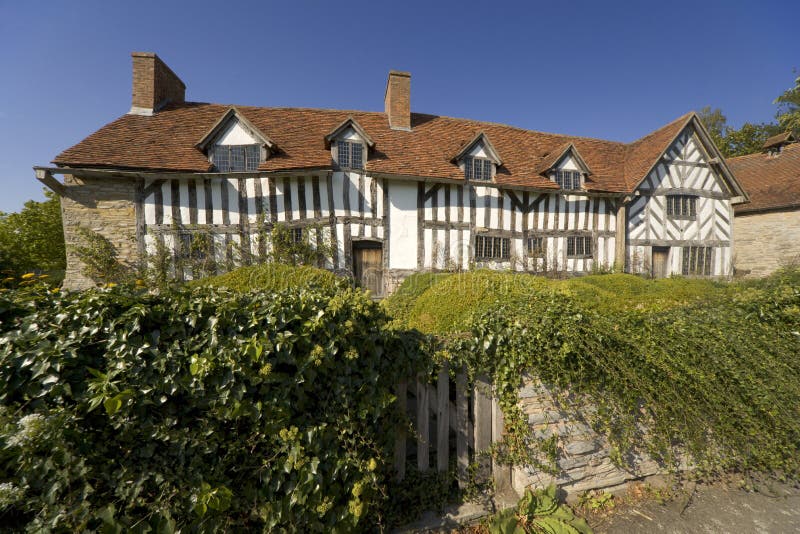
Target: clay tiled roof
(773, 182)
(166, 142)
(780, 139)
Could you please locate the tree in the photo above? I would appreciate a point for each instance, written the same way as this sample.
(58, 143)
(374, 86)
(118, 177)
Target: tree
(732, 142)
(789, 108)
(32, 240)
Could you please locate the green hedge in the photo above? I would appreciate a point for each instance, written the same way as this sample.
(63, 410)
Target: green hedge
(199, 410)
(274, 277)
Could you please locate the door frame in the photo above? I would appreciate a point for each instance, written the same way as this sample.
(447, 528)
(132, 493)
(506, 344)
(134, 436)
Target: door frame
(653, 251)
(373, 243)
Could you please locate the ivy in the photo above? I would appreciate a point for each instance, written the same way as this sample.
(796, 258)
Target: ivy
(714, 381)
(197, 410)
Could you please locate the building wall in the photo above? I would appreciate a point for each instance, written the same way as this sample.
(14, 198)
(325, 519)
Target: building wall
(766, 241)
(684, 169)
(107, 207)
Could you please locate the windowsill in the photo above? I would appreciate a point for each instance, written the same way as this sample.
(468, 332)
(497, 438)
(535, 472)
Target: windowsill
(683, 217)
(492, 259)
(587, 257)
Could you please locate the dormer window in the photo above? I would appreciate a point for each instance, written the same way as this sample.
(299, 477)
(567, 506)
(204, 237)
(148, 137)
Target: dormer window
(568, 180)
(478, 169)
(350, 154)
(236, 158)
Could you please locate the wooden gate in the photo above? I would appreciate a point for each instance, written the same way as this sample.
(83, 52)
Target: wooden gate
(450, 418)
(368, 266)
(660, 262)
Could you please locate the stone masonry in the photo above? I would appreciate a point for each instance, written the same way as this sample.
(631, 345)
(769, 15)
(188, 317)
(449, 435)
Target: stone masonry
(104, 206)
(584, 456)
(766, 241)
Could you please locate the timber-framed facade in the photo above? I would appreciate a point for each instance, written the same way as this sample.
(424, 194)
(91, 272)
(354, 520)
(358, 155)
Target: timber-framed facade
(396, 192)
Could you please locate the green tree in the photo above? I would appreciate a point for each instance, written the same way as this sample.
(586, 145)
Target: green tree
(732, 142)
(789, 108)
(33, 239)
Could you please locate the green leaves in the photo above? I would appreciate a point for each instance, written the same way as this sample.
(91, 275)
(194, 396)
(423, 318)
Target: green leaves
(198, 410)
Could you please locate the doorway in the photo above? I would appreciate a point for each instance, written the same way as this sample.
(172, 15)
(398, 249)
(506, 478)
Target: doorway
(368, 266)
(660, 262)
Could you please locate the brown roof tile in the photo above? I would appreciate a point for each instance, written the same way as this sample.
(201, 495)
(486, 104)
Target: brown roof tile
(772, 182)
(166, 141)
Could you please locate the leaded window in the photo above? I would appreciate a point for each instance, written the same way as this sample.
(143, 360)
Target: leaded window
(297, 235)
(192, 246)
(536, 246)
(479, 169)
(492, 248)
(350, 154)
(579, 247)
(569, 180)
(236, 158)
(682, 206)
(697, 261)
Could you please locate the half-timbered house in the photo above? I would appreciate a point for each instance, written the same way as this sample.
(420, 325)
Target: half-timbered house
(392, 192)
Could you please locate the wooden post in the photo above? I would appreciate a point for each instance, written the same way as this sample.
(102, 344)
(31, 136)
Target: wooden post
(423, 425)
(442, 419)
(462, 425)
(483, 421)
(400, 440)
(500, 473)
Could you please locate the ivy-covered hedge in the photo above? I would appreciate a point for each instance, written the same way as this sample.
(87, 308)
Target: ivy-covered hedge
(198, 410)
(715, 381)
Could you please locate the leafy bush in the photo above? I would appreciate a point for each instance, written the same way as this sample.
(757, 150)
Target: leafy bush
(274, 277)
(717, 381)
(198, 410)
(400, 303)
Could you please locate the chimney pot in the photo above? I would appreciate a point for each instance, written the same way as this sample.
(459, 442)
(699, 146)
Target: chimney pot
(154, 84)
(397, 101)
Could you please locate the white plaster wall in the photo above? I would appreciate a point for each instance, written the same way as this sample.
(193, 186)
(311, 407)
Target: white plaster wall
(402, 225)
(235, 134)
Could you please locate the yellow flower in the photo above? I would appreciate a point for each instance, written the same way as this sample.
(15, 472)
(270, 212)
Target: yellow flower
(111, 284)
(44, 276)
(28, 276)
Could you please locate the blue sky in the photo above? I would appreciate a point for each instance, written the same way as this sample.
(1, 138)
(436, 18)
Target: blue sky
(614, 70)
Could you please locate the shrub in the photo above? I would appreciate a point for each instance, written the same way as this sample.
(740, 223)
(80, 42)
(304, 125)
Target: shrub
(197, 410)
(274, 277)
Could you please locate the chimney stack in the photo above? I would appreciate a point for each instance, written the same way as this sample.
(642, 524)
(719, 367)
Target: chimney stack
(397, 101)
(154, 84)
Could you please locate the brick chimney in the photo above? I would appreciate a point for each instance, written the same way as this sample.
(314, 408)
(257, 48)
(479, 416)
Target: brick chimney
(154, 84)
(397, 102)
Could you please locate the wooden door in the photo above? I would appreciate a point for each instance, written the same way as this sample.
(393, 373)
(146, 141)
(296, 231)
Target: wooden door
(368, 266)
(660, 262)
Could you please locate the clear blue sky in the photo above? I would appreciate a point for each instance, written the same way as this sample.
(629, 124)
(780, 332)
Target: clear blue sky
(614, 70)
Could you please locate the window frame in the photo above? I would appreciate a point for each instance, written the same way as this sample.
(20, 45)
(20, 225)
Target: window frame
(691, 258)
(187, 250)
(495, 243)
(246, 155)
(350, 144)
(298, 235)
(539, 250)
(686, 204)
(585, 242)
(486, 167)
(575, 177)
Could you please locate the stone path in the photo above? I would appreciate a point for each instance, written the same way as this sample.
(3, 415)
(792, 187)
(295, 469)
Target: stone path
(773, 509)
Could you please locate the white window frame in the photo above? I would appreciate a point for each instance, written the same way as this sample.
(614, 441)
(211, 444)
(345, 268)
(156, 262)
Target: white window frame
(560, 174)
(229, 148)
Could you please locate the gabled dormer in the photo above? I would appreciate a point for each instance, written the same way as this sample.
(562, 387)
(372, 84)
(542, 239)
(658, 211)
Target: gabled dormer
(234, 144)
(566, 167)
(478, 159)
(349, 145)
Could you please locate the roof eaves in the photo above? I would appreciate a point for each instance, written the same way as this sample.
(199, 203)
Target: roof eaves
(217, 128)
(349, 122)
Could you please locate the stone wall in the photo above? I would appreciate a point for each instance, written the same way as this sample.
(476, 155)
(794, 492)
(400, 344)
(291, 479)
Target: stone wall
(105, 206)
(764, 242)
(584, 457)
